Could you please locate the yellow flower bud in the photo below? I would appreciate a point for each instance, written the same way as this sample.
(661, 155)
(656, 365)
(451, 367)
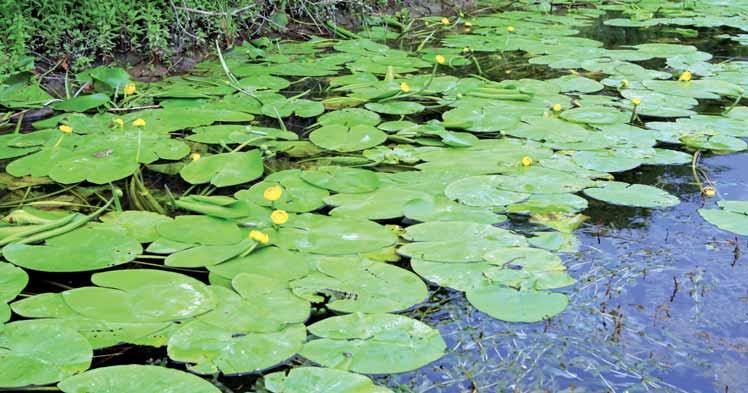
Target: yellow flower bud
(279, 217)
(526, 161)
(119, 122)
(130, 89)
(273, 193)
(510, 29)
(466, 49)
(65, 129)
(468, 24)
(139, 123)
(259, 237)
(556, 107)
(440, 59)
(685, 76)
(709, 191)
(195, 156)
(404, 87)
(636, 101)
(624, 84)
(445, 21)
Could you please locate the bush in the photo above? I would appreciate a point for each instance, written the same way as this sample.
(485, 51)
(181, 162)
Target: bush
(79, 32)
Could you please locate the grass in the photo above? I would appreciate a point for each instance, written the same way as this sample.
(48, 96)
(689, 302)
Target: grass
(75, 34)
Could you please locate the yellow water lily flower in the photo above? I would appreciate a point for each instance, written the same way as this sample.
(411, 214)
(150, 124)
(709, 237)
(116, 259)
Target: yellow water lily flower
(404, 87)
(466, 49)
(279, 217)
(130, 89)
(440, 59)
(557, 107)
(510, 29)
(685, 76)
(139, 123)
(119, 122)
(259, 237)
(636, 101)
(65, 129)
(709, 191)
(624, 84)
(468, 24)
(526, 161)
(195, 156)
(273, 193)
(445, 21)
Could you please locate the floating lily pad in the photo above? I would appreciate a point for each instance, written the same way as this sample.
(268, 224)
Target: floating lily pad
(517, 306)
(373, 343)
(395, 107)
(638, 195)
(133, 378)
(338, 137)
(441, 208)
(298, 195)
(595, 115)
(351, 284)
(225, 169)
(202, 230)
(733, 217)
(141, 295)
(318, 234)
(209, 349)
(320, 380)
(35, 353)
(342, 179)
(83, 249)
(140, 225)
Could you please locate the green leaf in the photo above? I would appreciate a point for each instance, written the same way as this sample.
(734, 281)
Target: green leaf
(225, 169)
(320, 380)
(516, 306)
(36, 353)
(373, 343)
(638, 195)
(134, 378)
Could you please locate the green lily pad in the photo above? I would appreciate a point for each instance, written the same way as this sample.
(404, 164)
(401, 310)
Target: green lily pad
(483, 191)
(512, 305)
(638, 195)
(12, 281)
(480, 119)
(141, 295)
(373, 343)
(83, 249)
(225, 169)
(320, 380)
(298, 195)
(395, 107)
(81, 103)
(342, 179)
(338, 137)
(209, 349)
(36, 353)
(140, 225)
(440, 208)
(733, 217)
(350, 284)
(135, 378)
(383, 203)
(271, 262)
(317, 234)
(595, 115)
(202, 230)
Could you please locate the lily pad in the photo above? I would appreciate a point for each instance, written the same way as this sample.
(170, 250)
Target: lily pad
(342, 179)
(83, 249)
(225, 169)
(638, 195)
(733, 217)
(134, 378)
(373, 343)
(298, 195)
(36, 353)
(320, 380)
(512, 305)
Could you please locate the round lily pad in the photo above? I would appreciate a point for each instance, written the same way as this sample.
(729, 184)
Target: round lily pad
(638, 195)
(595, 115)
(733, 217)
(320, 380)
(373, 343)
(200, 230)
(86, 248)
(141, 295)
(134, 378)
(298, 195)
(338, 137)
(225, 169)
(325, 235)
(351, 284)
(512, 305)
(342, 179)
(35, 353)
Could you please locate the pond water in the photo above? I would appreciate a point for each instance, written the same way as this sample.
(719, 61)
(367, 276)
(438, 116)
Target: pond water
(647, 296)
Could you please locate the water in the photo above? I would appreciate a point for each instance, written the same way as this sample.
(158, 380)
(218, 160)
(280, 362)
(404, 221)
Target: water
(661, 304)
